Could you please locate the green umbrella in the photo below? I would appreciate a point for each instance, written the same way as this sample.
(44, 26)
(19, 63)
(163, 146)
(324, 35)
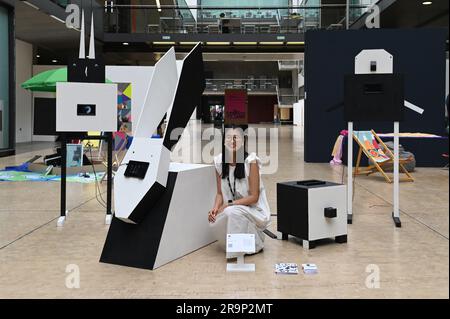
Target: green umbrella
(46, 81)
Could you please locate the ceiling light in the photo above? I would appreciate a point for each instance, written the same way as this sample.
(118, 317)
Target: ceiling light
(125, 43)
(218, 43)
(188, 43)
(31, 5)
(271, 43)
(54, 60)
(427, 3)
(164, 43)
(38, 56)
(57, 19)
(245, 43)
(295, 43)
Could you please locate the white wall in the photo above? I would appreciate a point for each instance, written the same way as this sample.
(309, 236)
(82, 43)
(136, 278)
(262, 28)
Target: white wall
(24, 105)
(36, 70)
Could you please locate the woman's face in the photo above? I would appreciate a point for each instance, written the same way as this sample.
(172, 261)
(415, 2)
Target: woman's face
(234, 139)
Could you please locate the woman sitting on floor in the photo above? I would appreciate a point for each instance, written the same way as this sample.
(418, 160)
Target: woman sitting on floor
(241, 205)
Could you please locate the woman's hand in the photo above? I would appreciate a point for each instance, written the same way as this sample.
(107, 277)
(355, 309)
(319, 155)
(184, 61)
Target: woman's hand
(212, 215)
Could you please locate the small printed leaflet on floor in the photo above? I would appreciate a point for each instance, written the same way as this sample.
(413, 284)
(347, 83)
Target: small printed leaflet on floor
(309, 268)
(286, 269)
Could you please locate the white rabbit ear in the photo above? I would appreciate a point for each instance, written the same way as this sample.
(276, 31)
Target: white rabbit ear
(92, 39)
(82, 54)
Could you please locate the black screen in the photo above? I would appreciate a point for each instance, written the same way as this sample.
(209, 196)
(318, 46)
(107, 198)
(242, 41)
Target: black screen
(136, 169)
(44, 116)
(86, 109)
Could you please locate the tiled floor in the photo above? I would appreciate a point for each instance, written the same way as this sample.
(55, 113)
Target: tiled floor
(413, 261)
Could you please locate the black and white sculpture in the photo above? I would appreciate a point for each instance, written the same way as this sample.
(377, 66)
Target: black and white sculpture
(374, 77)
(142, 178)
(161, 207)
(85, 103)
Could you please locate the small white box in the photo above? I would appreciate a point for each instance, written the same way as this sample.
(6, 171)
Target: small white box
(82, 107)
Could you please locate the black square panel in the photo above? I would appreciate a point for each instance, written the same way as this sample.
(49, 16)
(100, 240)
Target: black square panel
(86, 109)
(136, 169)
(374, 97)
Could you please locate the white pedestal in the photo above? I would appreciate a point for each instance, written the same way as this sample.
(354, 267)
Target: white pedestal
(240, 266)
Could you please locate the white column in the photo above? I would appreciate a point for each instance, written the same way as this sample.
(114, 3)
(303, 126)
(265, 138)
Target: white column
(350, 169)
(396, 170)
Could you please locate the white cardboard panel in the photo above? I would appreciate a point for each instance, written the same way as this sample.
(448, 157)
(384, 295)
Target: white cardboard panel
(385, 62)
(128, 192)
(70, 94)
(159, 96)
(187, 228)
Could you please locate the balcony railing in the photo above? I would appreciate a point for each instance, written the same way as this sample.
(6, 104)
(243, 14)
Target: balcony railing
(252, 85)
(286, 97)
(183, 19)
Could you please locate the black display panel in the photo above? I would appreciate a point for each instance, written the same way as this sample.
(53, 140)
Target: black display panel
(44, 116)
(136, 169)
(374, 97)
(188, 95)
(86, 109)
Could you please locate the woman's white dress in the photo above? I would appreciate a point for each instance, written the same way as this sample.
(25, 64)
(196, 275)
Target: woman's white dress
(241, 219)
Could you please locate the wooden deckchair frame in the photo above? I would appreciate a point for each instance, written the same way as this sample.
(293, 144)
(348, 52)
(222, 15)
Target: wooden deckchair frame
(378, 167)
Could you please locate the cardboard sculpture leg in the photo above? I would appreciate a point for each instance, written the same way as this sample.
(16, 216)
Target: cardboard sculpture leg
(176, 225)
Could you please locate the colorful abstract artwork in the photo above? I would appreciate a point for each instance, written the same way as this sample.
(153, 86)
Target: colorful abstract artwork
(371, 145)
(124, 120)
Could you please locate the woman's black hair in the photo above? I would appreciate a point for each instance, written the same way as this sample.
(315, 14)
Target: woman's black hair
(239, 171)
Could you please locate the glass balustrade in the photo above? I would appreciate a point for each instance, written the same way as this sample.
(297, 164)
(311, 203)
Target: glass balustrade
(242, 17)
